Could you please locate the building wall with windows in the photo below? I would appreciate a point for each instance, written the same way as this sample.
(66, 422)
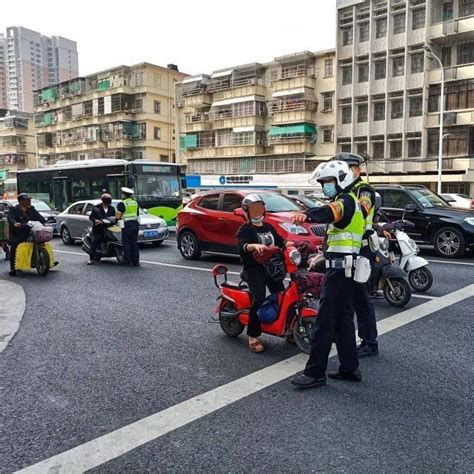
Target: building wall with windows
(127, 112)
(3, 76)
(388, 91)
(17, 142)
(276, 117)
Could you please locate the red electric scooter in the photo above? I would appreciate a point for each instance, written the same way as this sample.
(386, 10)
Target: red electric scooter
(296, 317)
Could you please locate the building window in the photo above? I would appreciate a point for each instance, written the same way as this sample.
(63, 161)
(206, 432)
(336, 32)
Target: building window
(156, 107)
(328, 136)
(466, 53)
(416, 106)
(456, 188)
(362, 148)
(455, 144)
(379, 111)
(156, 133)
(347, 37)
(363, 32)
(380, 69)
(381, 28)
(414, 148)
(327, 101)
(378, 150)
(418, 20)
(397, 109)
(362, 111)
(398, 68)
(446, 54)
(399, 23)
(466, 8)
(396, 149)
(417, 63)
(346, 115)
(346, 76)
(164, 158)
(363, 72)
(156, 80)
(346, 148)
(448, 11)
(458, 95)
(328, 68)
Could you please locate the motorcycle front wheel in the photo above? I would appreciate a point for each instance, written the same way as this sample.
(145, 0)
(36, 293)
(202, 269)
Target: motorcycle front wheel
(231, 326)
(119, 255)
(400, 295)
(42, 265)
(420, 279)
(303, 334)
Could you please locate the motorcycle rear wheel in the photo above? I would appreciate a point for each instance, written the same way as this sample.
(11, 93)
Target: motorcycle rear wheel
(401, 293)
(420, 279)
(303, 335)
(42, 265)
(232, 327)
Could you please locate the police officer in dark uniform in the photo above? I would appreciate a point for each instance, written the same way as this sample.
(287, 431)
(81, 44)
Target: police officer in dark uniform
(335, 320)
(363, 306)
(128, 210)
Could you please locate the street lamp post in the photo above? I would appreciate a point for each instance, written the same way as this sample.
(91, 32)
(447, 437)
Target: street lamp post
(430, 54)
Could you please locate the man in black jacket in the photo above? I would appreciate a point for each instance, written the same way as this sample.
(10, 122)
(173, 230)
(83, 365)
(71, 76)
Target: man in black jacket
(18, 218)
(99, 212)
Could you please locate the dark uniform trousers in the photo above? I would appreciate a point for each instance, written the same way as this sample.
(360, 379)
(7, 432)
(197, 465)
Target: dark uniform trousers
(364, 309)
(335, 322)
(130, 242)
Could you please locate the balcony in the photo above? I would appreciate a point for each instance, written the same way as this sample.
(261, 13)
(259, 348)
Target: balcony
(294, 148)
(240, 91)
(198, 101)
(450, 119)
(414, 167)
(228, 121)
(462, 27)
(462, 71)
(294, 116)
(293, 83)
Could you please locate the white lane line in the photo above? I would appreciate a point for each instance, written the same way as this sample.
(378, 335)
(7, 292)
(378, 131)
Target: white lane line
(424, 297)
(12, 308)
(469, 264)
(112, 445)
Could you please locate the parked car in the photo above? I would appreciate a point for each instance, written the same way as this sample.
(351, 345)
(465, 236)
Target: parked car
(458, 200)
(43, 208)
(74, 221)
(209, 223)
(450, 230)
(306, 202)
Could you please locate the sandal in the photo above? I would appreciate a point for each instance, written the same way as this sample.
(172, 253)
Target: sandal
(257, 346)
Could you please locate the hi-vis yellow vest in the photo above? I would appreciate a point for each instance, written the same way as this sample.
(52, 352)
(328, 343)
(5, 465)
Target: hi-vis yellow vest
(131, 209)
(369, 220)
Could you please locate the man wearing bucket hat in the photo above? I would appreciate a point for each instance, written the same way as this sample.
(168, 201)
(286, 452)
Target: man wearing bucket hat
(128, 211)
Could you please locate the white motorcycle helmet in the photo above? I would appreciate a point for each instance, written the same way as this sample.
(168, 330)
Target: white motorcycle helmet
(251, 199)
(333, 169)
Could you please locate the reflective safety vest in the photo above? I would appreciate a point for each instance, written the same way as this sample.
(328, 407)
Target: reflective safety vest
(131, 210)
(349, 239)
(369, 220)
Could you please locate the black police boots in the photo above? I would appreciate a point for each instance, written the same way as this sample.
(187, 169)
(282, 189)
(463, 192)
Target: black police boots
(367, 350)
(303, 381)
(349, 376)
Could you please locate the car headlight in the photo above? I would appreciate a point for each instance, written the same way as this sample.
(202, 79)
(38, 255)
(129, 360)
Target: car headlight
(469, 220)
(294, 228)
(163, 224)
(295, 257)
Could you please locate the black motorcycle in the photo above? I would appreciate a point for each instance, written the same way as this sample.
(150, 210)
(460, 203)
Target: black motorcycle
(112, 245)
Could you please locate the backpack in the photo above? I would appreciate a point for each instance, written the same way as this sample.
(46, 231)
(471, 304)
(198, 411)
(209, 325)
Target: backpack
(268, 312)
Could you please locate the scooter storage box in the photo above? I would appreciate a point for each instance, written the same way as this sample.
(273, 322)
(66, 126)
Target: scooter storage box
(4, 230)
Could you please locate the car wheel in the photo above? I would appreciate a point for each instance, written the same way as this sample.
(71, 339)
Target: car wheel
(449, 243)
(66, 236)
(189, 246)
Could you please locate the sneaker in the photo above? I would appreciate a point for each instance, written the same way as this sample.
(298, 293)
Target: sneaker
(349, 376)
(367, 350)
(91, 262)
(304, 381)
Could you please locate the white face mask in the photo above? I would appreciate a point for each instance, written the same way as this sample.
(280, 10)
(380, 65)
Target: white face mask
(256, 220)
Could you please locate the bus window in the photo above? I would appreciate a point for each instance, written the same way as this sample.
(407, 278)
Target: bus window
(150, 186)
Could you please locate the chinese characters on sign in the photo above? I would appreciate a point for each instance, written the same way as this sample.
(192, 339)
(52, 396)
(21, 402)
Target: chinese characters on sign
(245, 179)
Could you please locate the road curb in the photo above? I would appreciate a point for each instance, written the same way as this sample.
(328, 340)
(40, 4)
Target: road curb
(12, 308)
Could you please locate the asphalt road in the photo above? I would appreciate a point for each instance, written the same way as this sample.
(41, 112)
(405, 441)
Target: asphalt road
(102, 347)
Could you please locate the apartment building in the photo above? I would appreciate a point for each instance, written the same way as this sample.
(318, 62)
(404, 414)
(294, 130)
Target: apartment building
(276, 117)
(126, 112)
(3, 80)
(388, 90)
(33, 61)
(17, 142)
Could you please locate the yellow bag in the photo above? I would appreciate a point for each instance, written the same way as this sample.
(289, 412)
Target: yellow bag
(24, 253)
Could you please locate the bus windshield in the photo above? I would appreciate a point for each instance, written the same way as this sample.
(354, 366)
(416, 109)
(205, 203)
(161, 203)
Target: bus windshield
(149, 187)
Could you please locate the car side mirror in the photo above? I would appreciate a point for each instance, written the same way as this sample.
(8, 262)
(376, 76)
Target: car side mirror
(411, 208)
(88, 213)
(240, 212)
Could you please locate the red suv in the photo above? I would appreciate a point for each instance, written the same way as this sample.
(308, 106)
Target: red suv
(209, 223)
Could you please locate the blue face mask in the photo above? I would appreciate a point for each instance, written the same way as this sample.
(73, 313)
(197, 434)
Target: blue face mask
(329, 190)
(256, 220)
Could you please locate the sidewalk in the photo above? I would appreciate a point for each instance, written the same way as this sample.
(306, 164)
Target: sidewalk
(12, 307)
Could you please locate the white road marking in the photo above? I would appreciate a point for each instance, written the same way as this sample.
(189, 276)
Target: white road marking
(112, 445)
(424, 297)
(469, 264)
(12, 308)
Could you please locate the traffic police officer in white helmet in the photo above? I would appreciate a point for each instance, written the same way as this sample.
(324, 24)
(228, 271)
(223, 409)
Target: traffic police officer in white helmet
(335, 319)
(128, 211)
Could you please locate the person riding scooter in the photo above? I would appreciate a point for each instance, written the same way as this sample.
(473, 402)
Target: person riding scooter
(18, 218)
(253, 238)
(99, 213)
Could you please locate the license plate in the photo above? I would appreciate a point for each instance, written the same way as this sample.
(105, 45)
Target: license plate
(150, 234)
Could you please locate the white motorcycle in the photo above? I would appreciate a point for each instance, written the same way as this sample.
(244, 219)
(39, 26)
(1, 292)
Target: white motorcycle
(419, 276)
